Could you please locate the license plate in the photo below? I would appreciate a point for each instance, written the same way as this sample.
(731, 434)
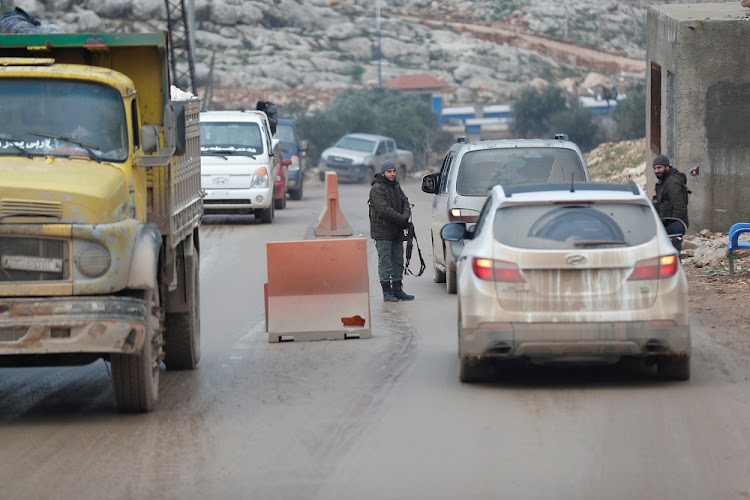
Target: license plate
(24, 263)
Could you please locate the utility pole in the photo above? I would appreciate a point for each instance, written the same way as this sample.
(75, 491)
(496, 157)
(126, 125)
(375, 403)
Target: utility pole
(377, 30)
(180, 45)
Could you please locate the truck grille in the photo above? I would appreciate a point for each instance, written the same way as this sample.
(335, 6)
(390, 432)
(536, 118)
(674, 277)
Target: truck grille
(9, 208)
(44, 248)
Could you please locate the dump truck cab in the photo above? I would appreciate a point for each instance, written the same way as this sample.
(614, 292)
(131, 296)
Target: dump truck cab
(100, 206)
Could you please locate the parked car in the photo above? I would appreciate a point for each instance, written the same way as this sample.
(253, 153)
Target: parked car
(238, 163)
(293, 156)
(571, 272)
(469, 171)
(358, 157)
(280, 185)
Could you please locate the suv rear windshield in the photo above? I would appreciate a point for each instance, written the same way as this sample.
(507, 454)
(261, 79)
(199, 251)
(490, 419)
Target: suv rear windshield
(480, 170)
(574, 226)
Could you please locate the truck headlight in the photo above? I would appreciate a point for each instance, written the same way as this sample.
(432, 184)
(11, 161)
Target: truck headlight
(92, 259)
(260, 178)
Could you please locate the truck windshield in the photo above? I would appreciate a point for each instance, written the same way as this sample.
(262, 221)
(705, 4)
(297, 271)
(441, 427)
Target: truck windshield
(223, 138)
(356, 144)
(62, 118)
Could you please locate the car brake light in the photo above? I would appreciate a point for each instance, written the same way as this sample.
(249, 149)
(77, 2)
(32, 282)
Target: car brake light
(656, 268)
(507, 271)
(482, 268)
(497, 270)
(462, 215)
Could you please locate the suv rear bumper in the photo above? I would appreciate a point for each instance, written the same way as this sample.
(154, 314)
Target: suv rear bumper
(575, 341)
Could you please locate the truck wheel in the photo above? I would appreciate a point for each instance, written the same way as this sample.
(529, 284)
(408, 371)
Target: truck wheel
(322, 175)
(369, 174)
(673, 368)
(402, 173)
(135, 378)
(183, 330)
(296, 194)
(450, 278)
(266, 216)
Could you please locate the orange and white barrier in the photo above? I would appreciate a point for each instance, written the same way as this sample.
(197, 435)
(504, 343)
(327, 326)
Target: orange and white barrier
(317, 290)
(331, 221)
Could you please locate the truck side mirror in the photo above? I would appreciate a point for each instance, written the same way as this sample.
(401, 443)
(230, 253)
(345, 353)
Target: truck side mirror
(174, 127)
(303, 145)
(149, 138)
(275, 146)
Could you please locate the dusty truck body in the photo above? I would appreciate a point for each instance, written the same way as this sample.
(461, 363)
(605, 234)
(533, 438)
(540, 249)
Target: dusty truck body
(100, 206)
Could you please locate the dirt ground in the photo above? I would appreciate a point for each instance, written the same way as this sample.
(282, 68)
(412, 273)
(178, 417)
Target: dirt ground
(720, 303)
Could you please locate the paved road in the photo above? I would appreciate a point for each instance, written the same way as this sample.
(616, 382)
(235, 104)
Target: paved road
(379, 418)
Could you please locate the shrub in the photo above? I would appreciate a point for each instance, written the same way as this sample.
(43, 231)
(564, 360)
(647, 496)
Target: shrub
(630, 114)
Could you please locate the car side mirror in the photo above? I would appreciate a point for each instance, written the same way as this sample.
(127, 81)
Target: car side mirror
(455, 231)
(429, 183)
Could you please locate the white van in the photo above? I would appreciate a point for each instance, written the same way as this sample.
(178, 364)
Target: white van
(238, 163)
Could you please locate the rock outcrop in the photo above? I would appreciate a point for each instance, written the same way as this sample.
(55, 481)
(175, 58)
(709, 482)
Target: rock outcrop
(482, 49)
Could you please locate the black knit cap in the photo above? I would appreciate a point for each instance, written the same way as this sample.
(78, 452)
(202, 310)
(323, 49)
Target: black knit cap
(661, 160)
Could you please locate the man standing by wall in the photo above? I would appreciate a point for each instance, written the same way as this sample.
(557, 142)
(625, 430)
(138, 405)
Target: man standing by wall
(671, 198)
(389, 216)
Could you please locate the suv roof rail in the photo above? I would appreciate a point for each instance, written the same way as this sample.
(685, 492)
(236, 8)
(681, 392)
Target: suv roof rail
(463, 139)
(561, 137)
(579, 186)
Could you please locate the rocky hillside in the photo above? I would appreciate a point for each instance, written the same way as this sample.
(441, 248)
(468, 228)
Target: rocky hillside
(300, 52)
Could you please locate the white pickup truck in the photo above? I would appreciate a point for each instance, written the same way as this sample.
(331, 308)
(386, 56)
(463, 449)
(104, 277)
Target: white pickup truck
(358, 157)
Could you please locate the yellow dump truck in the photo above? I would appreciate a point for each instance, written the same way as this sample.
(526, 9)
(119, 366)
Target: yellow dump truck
(100, 208)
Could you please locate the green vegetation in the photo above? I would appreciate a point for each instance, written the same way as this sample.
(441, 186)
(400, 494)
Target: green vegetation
(356, 74)
(630, 114)
(408, 119)
(546, 112)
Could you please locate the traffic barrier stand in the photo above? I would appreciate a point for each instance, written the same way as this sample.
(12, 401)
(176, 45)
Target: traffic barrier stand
(331, 221)
(317, 290)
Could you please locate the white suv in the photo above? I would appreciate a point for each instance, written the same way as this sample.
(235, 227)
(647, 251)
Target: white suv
(471, 169)
(238, 163)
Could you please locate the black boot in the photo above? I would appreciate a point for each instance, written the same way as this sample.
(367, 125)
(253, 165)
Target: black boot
(387, 292)
(399, 293)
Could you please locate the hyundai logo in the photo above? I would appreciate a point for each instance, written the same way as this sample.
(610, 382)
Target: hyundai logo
(575, 260)
(220, 180)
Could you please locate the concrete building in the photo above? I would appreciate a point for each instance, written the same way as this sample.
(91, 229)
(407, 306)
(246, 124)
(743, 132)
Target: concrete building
(698, 105)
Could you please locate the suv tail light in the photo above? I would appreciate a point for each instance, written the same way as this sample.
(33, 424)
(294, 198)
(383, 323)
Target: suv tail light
(656, 268)
(462, 215)
(496, 270)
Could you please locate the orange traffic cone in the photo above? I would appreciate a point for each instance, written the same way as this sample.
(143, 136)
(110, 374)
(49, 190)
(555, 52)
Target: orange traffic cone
(332, 221)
